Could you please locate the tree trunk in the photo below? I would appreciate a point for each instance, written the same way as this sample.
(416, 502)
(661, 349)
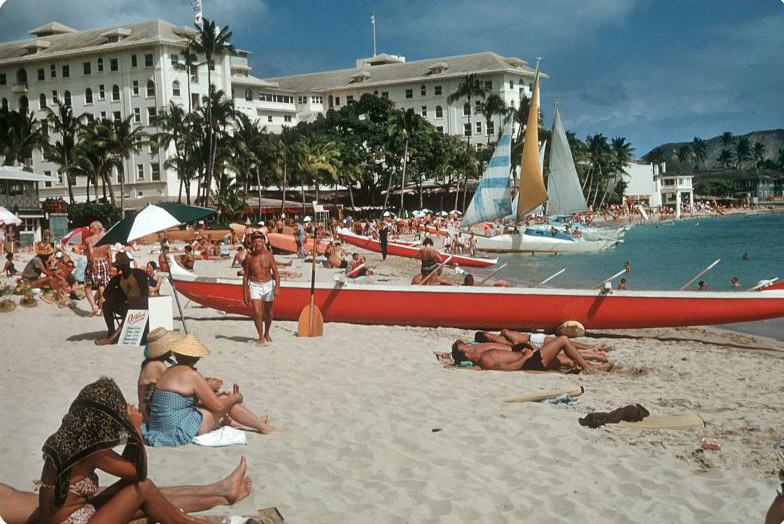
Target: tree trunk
(179, 195)
(403, 178)
(351, 195)
(68, 180)
(208, 167)
(283, 192)
(188, 192)
(389, 191)
(465, 193)
(87, 186)
(258, 182)
(121, 176)
(302, 185)
(419, 183)
(112, 198)
(457, 193)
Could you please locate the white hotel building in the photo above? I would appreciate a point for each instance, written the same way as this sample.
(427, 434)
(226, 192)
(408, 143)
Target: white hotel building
(137, 70)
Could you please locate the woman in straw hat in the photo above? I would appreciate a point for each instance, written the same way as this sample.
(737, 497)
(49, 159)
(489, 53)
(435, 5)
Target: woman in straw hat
(97, 421)
(37, 266)
(185, 405)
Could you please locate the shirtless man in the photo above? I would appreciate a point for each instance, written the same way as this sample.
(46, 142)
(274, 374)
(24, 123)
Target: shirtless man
(187, 259)
(258, 287)
(98, 262)
(431, 258)
(163, 258)
(537, 340)
(521, 357)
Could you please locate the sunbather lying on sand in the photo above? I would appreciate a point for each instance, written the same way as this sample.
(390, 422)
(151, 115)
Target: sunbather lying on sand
(537, 340)
(520, 357)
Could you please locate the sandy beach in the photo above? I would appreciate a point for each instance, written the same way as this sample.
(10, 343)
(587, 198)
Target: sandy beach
(375, 429)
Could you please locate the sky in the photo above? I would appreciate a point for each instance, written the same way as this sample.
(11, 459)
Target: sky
(652, 71)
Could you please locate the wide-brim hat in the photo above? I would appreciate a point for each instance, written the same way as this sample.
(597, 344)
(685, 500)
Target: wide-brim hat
(307, 219)
(121, 259)
(43, 248)
(160, 341)
(189, 346)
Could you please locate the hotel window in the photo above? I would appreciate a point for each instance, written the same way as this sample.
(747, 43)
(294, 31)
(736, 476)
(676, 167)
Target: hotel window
(3, 80)
(101, 92)
(152, 112)
(337, 100)
(134, 62)
(384, 94)
(248, 95)
(135, 88)
(103, 115)
(117, 115)
(115, 93)
(511, 84)
(195, 99)
(114, 64)
(47, 183)
(269, 119)
(53, 71)
(67, 97)
(139, 171)
(42, 101)
(424, 111)
(87, 68)
(100, 65)
(54, 95)
(194, 74)
(423, 91)
(150, 88)
(287, 118)
(466, 109)
(137, 115)
(148, 60)
(489, 85)
(409, 93)
(437, 90)
(479, 128)
(175, 59)
(466, 129)
(41, 75)
(4, 104)
(439, 112)
(156, 171)
(490, 128)
(349, 98)
(176, 88)
(66, 71)
(88, 96)
(440, 129)
(212, 65)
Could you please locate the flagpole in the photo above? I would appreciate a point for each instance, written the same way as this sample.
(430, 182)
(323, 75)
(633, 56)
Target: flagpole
(373, 21)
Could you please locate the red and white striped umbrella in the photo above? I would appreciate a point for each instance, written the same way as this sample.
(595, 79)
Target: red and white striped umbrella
(76, 237)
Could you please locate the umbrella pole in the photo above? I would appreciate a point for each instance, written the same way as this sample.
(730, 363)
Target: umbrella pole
(177, 298)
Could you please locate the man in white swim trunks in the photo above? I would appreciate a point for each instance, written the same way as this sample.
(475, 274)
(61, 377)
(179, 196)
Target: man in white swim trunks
(260, 285)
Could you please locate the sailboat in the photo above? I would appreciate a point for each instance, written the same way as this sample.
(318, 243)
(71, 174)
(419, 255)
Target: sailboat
(489, 201)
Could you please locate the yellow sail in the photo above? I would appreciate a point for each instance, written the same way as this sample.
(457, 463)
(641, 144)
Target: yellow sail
(532, 190)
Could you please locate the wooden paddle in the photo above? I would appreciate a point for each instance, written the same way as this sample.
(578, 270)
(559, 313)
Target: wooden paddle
(311, 323)
(491, 275)
(439, 266)
(690, 282)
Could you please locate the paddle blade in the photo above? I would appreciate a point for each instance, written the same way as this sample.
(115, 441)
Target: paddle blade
(308, 327)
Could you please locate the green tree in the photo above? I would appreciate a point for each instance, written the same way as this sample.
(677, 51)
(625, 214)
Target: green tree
(96, 151)
(758, 150)
(217, 114)
(742, 152)
(125, 140)
(212, 43)
(727, 140)
(725, 158)
(403, 126)
(683, 155)
(64, 123)
(699, 149)
(176, 128)
(20, 134)
(491, 106)
(470, 88)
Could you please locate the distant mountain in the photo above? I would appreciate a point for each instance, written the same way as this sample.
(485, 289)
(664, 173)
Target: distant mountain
(772, 140)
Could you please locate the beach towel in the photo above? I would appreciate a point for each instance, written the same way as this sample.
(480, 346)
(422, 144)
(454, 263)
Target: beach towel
(225, 436)
(630, 413)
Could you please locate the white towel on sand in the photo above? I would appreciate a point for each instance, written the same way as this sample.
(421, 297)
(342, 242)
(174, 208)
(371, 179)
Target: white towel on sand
(225, 436)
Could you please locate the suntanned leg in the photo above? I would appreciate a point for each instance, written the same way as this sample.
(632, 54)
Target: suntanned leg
(497, 338)
(515, 337)
(243, 415)
(89, 294)
(775, 514)
(551, 349)
(258, 319)
(142, 495)
(18, 507)
(267, 320)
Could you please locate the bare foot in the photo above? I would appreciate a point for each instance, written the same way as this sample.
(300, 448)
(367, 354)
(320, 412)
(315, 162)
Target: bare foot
(260, 342)
(245, 489)
(93, 313)
(268, 338)
(599, 368)
(232, 486)
(103, 341)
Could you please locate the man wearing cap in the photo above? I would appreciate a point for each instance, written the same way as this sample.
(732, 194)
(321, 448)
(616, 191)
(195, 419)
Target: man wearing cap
(97, 274)
(128, 286)
(38, 264)
(258, 287)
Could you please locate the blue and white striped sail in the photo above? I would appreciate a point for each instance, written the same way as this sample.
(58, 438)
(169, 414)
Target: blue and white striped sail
(492, 198)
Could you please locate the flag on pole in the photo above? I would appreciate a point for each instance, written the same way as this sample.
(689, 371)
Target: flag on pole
(373, 19)
(196, 4)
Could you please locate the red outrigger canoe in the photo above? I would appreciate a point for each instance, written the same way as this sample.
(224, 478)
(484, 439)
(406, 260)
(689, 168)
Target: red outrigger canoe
(407, 251)
(289, 244)
(491, 308)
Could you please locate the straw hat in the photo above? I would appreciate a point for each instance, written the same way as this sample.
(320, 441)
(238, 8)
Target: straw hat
(189, 346)
(160, 340)
(42, 248)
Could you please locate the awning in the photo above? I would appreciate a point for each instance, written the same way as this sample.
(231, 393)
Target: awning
(15, 173)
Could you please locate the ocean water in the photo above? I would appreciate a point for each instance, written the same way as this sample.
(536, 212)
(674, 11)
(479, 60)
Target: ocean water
(664, 256)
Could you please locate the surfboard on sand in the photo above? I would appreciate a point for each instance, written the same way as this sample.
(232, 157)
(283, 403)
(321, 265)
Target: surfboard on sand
(574, 391)
(685, 421)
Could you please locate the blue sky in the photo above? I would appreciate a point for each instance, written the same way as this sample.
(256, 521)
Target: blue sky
(652, 71)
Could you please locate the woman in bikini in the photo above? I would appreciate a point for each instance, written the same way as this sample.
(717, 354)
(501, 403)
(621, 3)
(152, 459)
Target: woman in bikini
(97, 421)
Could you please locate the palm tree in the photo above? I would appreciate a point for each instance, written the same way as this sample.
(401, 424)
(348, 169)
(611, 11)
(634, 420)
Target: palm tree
(727, 140)
(64, 123)
(317, 157)
(469, 89)
(20, 134)
(124, 141)
(780, 159)
(492, 105)
(174, 127)
(699, 149)
(622, 155)
(682, 155)
(742, 152)
(403, 126)
(725, 158)
(95, 143)
(246, 143)
(758, 150)
(210, 42)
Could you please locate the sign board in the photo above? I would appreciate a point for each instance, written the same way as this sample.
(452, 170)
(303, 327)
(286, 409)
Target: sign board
(133, 327)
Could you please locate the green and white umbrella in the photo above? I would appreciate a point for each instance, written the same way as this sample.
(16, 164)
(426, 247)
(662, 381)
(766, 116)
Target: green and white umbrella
(153, 218)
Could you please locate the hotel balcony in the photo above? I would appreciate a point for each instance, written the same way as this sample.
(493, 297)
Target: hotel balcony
(19, 88)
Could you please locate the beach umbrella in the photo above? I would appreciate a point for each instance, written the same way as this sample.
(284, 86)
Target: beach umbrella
(76, 237)
(154, 218)
(8, 218)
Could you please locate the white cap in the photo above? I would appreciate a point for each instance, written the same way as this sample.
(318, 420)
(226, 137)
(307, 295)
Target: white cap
(307, 219)
(59, 254)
